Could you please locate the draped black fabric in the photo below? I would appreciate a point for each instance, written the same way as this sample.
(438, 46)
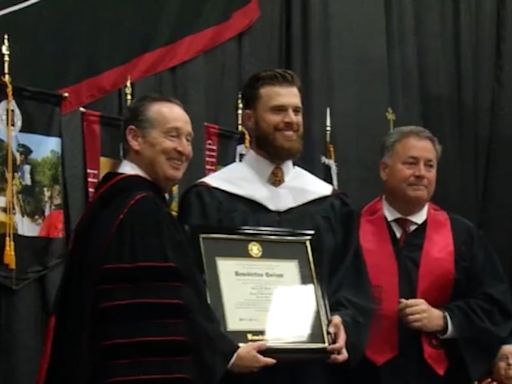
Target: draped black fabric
(446, 64)
(89, 49)
(450, 71)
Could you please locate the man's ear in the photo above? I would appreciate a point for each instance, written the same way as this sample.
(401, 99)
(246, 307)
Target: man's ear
(383, 170)
(248, 121)
(133, 137)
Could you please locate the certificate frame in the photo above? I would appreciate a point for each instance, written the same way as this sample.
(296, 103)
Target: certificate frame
(261, 254)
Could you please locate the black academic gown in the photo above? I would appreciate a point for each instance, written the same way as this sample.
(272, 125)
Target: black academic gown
(131, 306)
(479, 309)
(338, 263)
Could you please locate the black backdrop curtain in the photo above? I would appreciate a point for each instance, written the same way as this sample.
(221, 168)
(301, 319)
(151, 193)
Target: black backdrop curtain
(443, 64)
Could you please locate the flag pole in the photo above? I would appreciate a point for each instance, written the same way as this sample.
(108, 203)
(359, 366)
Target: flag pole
(241, 149)
(330, 155)
(391, 117)
(9, 254)
(239, 110)
(329, 147)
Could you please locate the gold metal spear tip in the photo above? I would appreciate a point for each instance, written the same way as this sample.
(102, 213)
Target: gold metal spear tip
(128, 91)
(239, 109)
(391, 117)
(6, 56)
(5, 45)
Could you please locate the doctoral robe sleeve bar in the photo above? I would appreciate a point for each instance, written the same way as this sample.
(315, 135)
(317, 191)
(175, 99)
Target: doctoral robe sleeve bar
(143, 317)
(132, 309)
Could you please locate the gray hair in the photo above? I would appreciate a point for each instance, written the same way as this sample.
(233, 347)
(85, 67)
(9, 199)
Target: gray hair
(400, 133)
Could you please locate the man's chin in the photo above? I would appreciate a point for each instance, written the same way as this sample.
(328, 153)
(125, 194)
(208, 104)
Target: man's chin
(289, 150)
(418, 198)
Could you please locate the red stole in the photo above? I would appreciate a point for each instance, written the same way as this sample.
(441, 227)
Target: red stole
(435, 280)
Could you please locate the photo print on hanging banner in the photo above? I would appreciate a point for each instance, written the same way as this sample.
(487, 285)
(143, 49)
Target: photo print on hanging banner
(38, 194)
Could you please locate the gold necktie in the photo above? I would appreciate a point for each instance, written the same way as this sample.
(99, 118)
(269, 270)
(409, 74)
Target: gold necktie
(276, 177)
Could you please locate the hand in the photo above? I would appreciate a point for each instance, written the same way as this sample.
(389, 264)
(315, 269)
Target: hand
(338, 349)
(488, 381)
(419, 315)
(247, 358)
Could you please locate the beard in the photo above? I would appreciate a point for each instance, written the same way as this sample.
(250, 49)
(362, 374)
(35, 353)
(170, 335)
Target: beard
(277, 150)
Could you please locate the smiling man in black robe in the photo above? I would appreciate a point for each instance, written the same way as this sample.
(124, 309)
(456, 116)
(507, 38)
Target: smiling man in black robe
(267, 189)
(444, 302)
(131, 306)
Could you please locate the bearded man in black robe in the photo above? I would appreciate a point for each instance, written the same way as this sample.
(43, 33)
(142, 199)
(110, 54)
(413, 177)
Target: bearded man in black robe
(267, 189)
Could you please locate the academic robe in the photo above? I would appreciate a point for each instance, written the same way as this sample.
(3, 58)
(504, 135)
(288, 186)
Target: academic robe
(131, 307)
(338, 263)
(479, 309)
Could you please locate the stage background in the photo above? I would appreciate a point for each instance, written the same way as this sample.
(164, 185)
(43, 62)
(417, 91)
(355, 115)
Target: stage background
(443, 64)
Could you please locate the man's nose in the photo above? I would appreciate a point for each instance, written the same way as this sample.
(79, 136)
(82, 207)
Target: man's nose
(419, 170)
(184, 146)
(290, 116)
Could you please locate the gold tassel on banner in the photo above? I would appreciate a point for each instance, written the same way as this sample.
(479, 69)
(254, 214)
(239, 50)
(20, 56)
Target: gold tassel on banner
(9, 253)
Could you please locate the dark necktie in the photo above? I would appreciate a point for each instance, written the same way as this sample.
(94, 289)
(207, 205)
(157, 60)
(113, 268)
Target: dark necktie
(276, 177)
(405, 225)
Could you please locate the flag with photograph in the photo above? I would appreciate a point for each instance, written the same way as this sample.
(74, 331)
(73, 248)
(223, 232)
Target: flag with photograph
(220, 147)
(35, 208)
(102, 139)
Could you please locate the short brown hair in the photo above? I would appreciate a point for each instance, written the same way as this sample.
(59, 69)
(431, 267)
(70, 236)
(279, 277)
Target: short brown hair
(400, 133)
(266, 77)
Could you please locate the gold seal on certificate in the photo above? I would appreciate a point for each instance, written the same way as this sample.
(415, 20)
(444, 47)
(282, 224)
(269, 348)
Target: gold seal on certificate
(262, 286)
(255, 249)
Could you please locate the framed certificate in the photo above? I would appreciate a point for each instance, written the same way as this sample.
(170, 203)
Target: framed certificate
(262, 286)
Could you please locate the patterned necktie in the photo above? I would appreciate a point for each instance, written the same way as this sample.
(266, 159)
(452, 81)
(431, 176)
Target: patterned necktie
(276, 177)
(405, 225)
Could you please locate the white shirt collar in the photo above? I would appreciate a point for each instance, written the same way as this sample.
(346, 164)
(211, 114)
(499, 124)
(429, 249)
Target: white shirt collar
(130, 168)
(392, 214)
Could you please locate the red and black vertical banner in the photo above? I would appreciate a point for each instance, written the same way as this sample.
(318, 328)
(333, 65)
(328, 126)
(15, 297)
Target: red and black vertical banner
(37, 204)
(102, 140)
(220, 147)
(105, 42)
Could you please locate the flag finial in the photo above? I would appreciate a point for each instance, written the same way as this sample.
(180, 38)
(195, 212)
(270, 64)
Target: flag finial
(391, 117)
(330, 155)
(128, 91)
(6, 56)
